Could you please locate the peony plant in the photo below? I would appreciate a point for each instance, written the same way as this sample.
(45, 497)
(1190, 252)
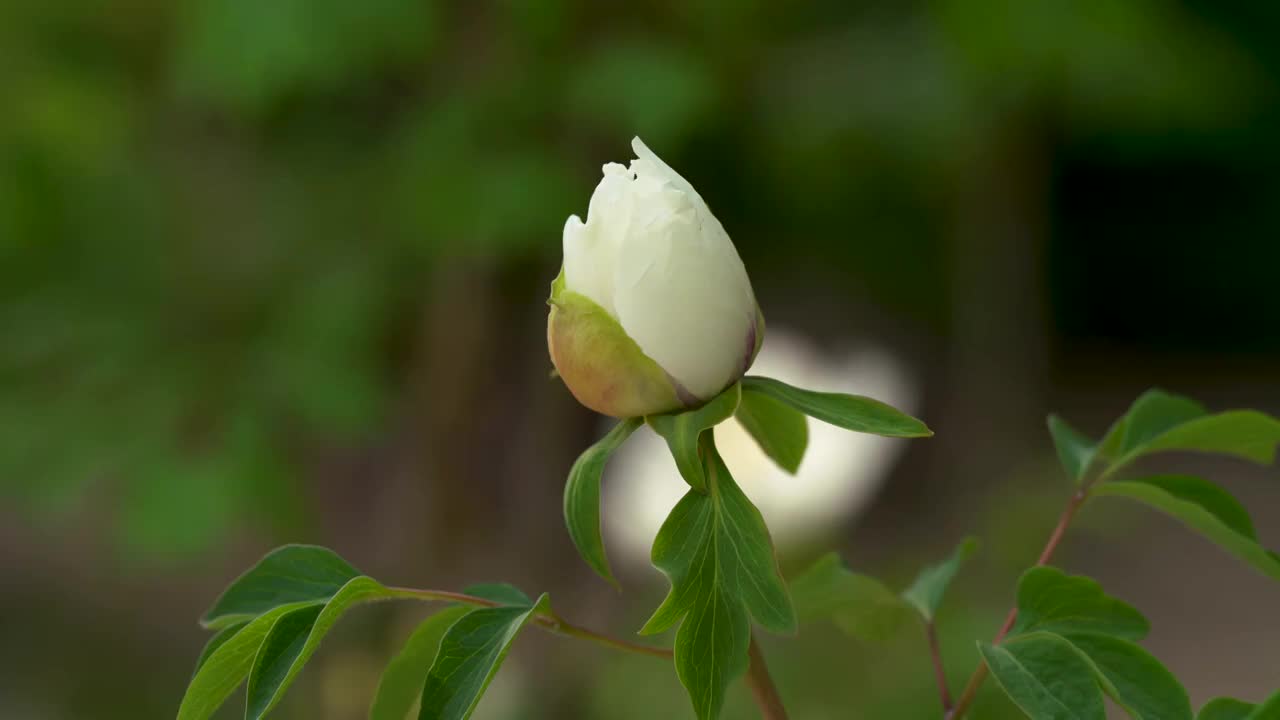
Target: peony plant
(653, 321)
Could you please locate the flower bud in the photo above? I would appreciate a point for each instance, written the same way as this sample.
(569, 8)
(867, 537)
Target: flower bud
(652, 310)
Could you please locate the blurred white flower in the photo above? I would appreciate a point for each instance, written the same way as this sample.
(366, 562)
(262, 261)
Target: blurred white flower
(840, 474)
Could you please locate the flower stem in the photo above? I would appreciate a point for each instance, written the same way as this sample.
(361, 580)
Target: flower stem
(763, 691)
(940, 674)
(547, 620)
(980, 674)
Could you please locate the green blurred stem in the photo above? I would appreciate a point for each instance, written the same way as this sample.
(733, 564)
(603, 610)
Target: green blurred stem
(980, 674)
(547, 620)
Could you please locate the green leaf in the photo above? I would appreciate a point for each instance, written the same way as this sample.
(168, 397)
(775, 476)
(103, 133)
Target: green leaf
(215, 642)
(1050, 600)
(781, 431)
(504, 593)
(402, 681)
(1046, 677)
(851, 412)
(582, 497)
(470, 654)
(221, 673)
(858, 604)
(683, 430)
(1225, 709)
(1159, 422)
(716, 551)
(1268, 710)
(289, 574)
(1134, 678)
(1075, 451)
(925, 594)
(1204, 507)
(294, 638)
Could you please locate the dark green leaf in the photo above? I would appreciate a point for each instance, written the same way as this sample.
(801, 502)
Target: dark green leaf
(860, 605)
(851, 412)
(781, 431)
(293, 639)
(470, 654)
(925, 594)
(401, 683)
(224, 669)
(1134, 678)
(1225, 709)
(1075, 451)
(504, 593)
(1050, 600)
(1268, 710)
(683, 430)
(1046, 677)
(1203, 507)
(293, 573)
(716, 551)
(582, 497)
(217, 641)
(1247, 434)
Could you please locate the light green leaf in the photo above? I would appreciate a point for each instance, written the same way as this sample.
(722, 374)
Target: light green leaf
(1268, 710)
(1204, 507)
(1134, 678)
(402, 681)
(289, 574)
(858, 604)
(582, 497)
(925, 594)
(1225, 709)
(851, 412)
(217, 641)
(716, 551)
(224, 669)
(1050, 600)
(470, 654)
(1075, 451)
(682, 431)
(295, 637)
(1159, 422)
(1046, 677)
(1151, 415)
(781, 431)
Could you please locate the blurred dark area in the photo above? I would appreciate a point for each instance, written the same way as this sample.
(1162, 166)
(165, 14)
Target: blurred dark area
(275, 272)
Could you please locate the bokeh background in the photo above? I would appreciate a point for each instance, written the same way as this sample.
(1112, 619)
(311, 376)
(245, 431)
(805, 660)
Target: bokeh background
(274, 272)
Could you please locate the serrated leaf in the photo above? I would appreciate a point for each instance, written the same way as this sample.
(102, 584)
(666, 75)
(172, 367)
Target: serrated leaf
(925, 594)
(401, 683)
(683, 431)
(294, 638)
(851, 412)
(289, 574)
(781, 431)
(716, 551)
(217, 641)
(504, 593)
(1134, 678)
(858, 604)
(470, 654)
(1204, 507)
(582, 497)
(1075, 451)
(1225, 709)
(1050, 600)
(226, 667)
(1046, 677)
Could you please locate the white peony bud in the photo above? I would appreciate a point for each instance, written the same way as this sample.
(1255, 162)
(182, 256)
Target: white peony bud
(652, 310)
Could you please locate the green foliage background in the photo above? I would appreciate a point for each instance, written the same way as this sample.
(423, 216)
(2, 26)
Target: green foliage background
(273, 271)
